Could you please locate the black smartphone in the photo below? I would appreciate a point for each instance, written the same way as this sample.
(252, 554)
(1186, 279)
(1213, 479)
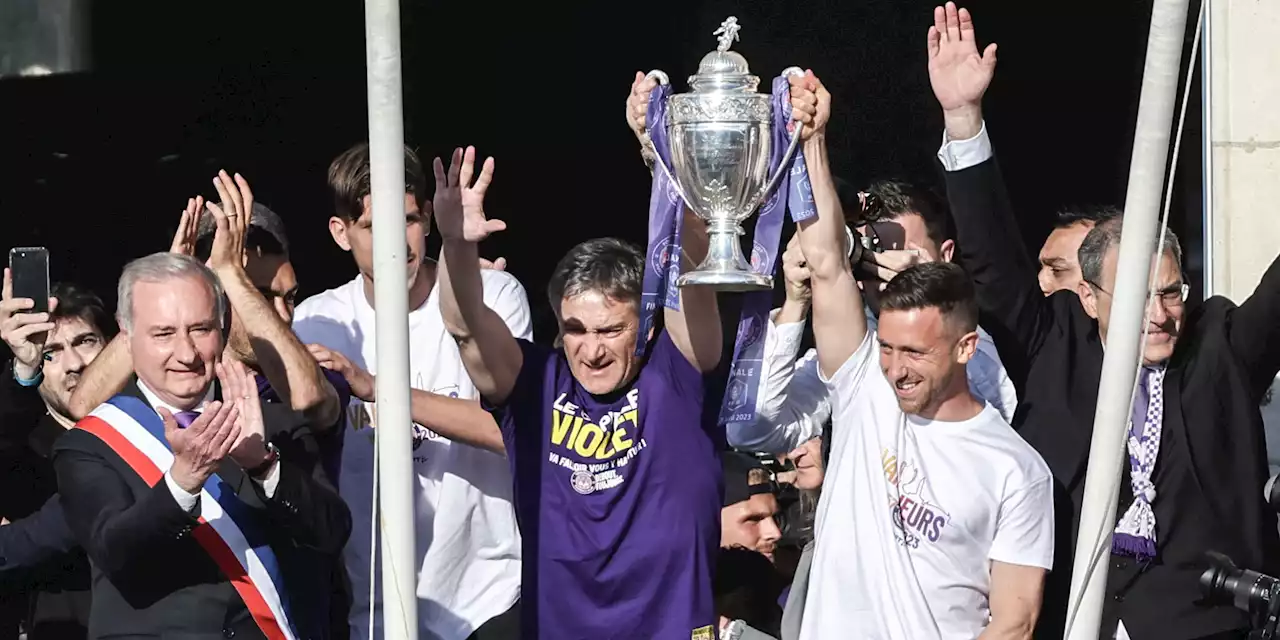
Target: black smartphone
(29, 268)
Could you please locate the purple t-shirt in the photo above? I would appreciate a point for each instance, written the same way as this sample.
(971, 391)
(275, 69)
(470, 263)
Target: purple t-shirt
(618, 499)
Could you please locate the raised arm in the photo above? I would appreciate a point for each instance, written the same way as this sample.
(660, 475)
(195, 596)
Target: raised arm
(1255, 333)
(991, 243)
(695, 328)
(103, 378)
(489, 351)
(284, 360)
(839, 325)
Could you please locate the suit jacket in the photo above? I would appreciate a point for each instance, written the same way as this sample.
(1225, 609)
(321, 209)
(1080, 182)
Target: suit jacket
(152, 579)
(42, 567)
(1212, 463)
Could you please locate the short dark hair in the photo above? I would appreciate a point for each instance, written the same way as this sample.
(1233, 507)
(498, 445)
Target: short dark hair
(891, 199)
(610, 266)
(75, 301)
(1092, 214)
(349, 180)
(1100, 239)
(941, 285)
(265, 234)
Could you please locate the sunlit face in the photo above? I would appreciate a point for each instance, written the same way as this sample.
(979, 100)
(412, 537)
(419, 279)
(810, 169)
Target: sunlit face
(275, 279)
(1059, 261)
(751, 524)
(70, 347)
(357, 237)
(921, 355)
(599, 335)
(807, 460)
(175, 339)
(1164, 313)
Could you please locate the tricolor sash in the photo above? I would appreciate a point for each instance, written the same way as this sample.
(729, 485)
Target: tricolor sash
(228, 530)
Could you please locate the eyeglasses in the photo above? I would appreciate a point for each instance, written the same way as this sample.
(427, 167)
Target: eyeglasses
(1173, 295)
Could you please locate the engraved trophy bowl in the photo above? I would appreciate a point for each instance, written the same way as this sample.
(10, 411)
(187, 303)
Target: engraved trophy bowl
(721, 140)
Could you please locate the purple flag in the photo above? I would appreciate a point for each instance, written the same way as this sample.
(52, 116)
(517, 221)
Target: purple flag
(662, 256)
(744, 374)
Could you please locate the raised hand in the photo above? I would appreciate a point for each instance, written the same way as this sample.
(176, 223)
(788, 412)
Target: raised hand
(958, 74)
(184, 240)
(459, 204)
(198, 449)
(24, 332)
(810, 104)
(638, 103)
(362, 383)
(238, 387)
(796, 272)
(231, 220)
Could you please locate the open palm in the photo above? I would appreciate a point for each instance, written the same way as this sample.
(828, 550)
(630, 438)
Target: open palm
(958, 74)
(459, 204)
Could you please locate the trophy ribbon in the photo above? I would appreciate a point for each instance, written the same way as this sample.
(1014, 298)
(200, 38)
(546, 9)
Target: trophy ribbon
(666, 211)
(739, 403)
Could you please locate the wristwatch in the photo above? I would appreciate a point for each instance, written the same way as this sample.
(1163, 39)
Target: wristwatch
(273, 455)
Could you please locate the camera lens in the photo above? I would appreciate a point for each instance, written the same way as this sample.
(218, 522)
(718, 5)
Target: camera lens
(1247, 590)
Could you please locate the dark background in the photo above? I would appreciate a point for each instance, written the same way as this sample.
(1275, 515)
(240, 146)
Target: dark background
(97, 166)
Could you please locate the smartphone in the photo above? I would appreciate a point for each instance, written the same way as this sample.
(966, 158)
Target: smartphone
(29, 268)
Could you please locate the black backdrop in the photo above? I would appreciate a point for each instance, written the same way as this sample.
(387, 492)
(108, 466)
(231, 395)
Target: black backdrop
(97, 166)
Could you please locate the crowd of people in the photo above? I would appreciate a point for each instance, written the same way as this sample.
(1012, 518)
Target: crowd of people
(201, 462)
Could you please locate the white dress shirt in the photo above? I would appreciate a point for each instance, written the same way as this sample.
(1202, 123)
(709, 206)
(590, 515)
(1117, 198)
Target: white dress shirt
(190, 502)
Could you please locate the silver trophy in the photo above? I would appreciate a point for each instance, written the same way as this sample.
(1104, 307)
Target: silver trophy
(721, 138)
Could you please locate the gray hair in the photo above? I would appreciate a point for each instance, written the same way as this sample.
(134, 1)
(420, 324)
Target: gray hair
(610, 266)
(1106, 234)
(162, 267)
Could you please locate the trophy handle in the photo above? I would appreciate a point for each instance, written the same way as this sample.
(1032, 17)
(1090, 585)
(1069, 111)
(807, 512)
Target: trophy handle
(662, 78)
(785, 166)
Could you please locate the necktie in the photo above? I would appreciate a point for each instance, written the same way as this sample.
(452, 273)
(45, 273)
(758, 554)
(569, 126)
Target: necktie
(185, 418)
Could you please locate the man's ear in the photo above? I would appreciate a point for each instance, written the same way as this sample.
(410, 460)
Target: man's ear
(948, 250)
(338, 229)
(966, 347)
(1087, 299)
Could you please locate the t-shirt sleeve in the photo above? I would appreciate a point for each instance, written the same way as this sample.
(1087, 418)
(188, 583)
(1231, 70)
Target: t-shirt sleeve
(681, 376)
(506, 296)
(526, 395)
(1024, 529)
(849, 378)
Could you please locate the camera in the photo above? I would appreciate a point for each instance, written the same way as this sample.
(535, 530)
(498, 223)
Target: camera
(1254, 593)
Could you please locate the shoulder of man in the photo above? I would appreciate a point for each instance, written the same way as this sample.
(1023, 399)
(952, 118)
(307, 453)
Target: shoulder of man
(501, 287)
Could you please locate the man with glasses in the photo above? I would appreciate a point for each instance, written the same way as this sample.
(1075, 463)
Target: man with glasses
(1197, 456)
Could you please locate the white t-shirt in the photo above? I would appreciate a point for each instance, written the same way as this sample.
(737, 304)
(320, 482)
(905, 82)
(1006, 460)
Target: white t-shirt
(468, 544)
(914, 511)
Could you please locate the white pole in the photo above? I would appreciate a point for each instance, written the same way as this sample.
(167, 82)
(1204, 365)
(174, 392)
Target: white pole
(391, 297)
(1124, 338)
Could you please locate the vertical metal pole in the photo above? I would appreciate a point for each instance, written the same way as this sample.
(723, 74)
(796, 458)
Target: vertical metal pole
(1124, 337)
(391, 297)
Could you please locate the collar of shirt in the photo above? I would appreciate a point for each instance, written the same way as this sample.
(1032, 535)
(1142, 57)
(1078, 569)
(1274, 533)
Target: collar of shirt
(157, 403)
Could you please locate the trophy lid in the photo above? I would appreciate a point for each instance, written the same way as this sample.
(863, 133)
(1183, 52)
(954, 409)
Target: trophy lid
(722, 69)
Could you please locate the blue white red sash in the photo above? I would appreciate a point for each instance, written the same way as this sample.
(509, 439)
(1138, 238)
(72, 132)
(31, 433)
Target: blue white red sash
(228, 530)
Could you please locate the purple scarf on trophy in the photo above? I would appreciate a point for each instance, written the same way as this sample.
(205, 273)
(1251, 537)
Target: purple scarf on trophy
(666, 209)
(744, 375)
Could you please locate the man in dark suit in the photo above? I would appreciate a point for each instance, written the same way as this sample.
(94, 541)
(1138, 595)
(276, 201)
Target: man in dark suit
(41, 563)
(1198, 458)
(154, 536)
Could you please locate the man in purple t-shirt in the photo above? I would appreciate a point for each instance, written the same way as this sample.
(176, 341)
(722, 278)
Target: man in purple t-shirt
(617, 478)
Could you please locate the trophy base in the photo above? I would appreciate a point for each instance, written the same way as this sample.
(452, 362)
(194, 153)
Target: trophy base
(727, 281)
